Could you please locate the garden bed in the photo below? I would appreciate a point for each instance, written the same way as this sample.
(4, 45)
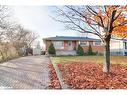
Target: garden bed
(79, 75)
(53, 79)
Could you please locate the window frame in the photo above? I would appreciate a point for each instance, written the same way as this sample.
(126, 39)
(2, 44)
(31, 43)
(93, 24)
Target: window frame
(58, 44)
(97, 44)
(125, 45)
(84, 42)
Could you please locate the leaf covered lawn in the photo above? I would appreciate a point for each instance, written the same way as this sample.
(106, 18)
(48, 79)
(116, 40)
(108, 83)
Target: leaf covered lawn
(80, 75)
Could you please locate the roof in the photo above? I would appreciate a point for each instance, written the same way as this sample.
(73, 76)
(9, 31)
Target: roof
(68, 38)
(119, 39)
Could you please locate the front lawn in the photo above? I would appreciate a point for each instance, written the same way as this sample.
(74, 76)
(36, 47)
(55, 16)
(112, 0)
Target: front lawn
(83, 72)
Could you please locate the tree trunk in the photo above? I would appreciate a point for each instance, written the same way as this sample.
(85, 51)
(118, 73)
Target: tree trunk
(106, 63)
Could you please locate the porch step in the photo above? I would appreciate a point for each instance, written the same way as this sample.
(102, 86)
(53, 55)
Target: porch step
(66, 52)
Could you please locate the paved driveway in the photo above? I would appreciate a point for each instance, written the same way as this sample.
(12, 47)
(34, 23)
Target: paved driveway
(25, 73)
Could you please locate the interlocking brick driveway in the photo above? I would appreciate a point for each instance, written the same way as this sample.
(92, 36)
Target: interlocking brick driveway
(25, 73)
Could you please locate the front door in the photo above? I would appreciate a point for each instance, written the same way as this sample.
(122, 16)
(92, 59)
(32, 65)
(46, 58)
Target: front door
(70, 46)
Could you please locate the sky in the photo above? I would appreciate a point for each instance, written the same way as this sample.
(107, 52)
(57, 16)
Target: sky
(38, 19)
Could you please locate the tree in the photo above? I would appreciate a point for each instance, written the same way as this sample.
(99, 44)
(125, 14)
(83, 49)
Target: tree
(80, 50)
(12, 33)
(51, 49)
(5, 15)
(102, 21)
(5, 22)
(20, 37)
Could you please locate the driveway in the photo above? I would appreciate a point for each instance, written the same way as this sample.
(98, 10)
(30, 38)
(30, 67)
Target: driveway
(25, 73)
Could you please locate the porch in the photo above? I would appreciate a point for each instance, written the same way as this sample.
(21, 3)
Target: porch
(66, 52)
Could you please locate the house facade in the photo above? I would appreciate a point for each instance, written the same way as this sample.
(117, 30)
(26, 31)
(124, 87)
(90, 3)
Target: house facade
(37, 49)
(118, 47)
(65, 45)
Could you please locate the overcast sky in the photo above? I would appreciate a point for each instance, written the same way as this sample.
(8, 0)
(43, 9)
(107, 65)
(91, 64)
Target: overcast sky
(37, 19)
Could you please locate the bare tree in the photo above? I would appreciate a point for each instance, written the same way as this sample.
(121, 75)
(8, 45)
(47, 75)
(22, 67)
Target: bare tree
(12, 33)
(20, 37)
(102, 21)
(5, 15)
(30, 37)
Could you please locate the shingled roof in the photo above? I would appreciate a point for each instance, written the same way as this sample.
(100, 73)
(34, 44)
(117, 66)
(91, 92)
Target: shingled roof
(69, 38)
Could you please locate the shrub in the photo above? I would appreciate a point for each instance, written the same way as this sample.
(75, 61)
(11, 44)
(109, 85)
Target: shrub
(80, 51)
(51, 49)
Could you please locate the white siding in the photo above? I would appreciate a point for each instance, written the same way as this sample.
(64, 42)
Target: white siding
(116, 47)
(116, 44)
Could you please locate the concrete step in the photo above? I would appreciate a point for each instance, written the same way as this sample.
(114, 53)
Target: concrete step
(67, 52)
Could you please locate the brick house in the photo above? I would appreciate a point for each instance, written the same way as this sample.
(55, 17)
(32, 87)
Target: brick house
(65, 45)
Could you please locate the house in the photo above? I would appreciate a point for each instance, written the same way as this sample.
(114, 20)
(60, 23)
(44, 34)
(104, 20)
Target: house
(37, 49)
(118, 46)
(66, 45)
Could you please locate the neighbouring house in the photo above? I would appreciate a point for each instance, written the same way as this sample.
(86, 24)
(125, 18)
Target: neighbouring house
(66, 45)
(37, 49)
(118, 47)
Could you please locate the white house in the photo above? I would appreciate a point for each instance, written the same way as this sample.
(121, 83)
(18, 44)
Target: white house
(37, 49)
(118, 47)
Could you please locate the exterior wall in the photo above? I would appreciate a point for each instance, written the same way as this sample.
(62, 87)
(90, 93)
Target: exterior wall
(125, 48)
(95, 48)
(116, 44)
(117, 47)
(98, 49)
(74, 44)
(47, 43)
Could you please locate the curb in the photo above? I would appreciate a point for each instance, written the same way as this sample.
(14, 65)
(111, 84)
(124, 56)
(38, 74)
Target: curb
(63, 85)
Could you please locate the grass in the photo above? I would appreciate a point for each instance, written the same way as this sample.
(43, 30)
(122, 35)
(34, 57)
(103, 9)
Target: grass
(96, 59)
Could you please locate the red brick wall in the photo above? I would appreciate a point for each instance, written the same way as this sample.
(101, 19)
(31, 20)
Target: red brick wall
(98, 49)
(47, 43)
(74, 43)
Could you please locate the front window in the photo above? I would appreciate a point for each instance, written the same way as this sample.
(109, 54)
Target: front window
(83, 43)
(58, 44)
(97, 43)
